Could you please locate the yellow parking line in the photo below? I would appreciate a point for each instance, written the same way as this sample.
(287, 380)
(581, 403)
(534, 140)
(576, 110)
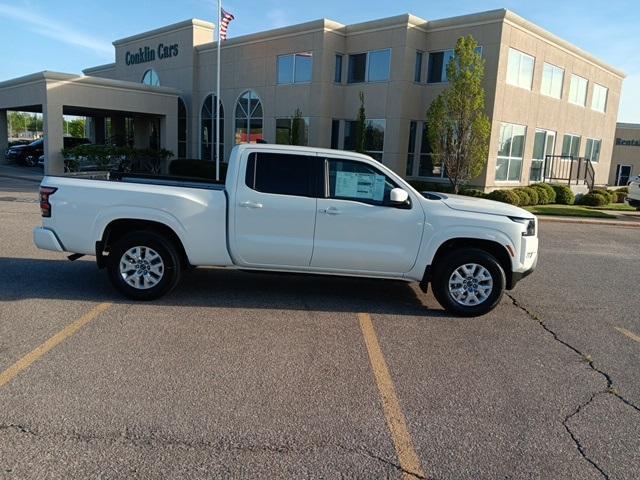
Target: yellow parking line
(629, 334)
(396, 421)
(35, 355)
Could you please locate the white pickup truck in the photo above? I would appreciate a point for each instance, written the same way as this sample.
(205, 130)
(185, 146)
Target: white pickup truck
(633, 197)
(291, 209)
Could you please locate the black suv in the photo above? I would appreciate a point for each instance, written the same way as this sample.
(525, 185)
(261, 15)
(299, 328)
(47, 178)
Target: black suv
(28, 154)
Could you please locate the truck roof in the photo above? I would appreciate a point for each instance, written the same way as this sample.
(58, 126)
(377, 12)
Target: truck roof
(300, 149)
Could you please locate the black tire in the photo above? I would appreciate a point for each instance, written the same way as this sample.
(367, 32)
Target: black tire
(447, 265)
(164, 248)
(30, 160)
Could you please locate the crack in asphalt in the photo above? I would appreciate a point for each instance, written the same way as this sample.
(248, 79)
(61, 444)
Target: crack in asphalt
(608, 390)
(222, 446)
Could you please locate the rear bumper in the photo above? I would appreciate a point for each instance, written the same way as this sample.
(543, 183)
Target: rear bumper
(45, 239)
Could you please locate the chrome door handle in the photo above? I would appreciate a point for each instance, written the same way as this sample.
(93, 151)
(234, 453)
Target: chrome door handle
(251, 204)
(332, 211)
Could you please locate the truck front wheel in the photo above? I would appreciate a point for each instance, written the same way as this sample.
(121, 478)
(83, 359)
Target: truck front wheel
(143, 265)
(468, 282)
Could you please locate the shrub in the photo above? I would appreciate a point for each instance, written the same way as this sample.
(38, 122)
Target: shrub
(504, 196)
(523, 196)
(543, 194)
(605, 193)
(472, 192)
(619, 196)
(422, 186)
(593, 200)
(623, 190)
(564, 195)
(551, 193)
(534, 197)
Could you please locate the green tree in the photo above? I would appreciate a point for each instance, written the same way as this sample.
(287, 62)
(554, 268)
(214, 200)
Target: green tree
(297, 129)
(75, 127)
(458, 128)
(361, 125)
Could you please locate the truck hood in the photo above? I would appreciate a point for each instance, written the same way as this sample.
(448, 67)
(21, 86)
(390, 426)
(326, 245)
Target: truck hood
(480, 205)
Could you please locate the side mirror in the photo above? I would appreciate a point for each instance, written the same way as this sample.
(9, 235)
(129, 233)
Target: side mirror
(399, 197)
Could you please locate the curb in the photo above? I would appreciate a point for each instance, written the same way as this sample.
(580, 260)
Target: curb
(613, 223)
(18, 177)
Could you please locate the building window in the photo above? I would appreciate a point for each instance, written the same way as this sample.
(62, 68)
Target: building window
(208, 129)
(623, 172)
(182, 129)
(335, 134)
(369, 66)
(438, 61)
(373, 137)
(417, 76)
(430, 165)
(571, 146)
(520, 69)
(552, 80)
(295, 68)
(337, 77)
(599, 100)
(578, 90)
(544, 144)
(510, 152)
(292, 131)
(411, 150)
(151, 78)
(248, 118)
(592, 150)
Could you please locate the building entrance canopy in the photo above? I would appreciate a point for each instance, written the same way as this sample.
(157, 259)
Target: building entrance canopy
(57, 94)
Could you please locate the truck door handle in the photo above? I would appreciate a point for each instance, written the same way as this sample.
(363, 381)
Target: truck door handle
(332, 211)
(251, 204)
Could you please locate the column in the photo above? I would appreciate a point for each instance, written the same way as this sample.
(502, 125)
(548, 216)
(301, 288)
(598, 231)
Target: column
(118, 130)
(169, 137)
(141, 132)
(53, 144)
(4, 136)
(97, 130)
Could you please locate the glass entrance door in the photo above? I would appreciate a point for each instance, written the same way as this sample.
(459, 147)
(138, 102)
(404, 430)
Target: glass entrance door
(544, 144)
(623, 172)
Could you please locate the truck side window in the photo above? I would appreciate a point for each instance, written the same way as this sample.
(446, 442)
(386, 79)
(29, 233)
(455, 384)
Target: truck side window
(281, 174)
(351, 180)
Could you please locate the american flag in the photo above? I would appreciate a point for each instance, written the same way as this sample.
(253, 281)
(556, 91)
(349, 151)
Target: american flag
(225, 20)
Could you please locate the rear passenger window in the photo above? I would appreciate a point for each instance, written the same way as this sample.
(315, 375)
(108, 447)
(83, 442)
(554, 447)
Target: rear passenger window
(281, 174)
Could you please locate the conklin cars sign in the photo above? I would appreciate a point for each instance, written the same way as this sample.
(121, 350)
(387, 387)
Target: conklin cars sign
(147, 54)
(627, 143)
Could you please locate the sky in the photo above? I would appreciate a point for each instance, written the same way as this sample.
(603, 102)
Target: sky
(70, 35)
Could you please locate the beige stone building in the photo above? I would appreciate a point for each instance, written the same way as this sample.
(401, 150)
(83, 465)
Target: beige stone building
(544, 95)
(625, 161)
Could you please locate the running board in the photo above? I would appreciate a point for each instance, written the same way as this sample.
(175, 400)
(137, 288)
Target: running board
(75, 256)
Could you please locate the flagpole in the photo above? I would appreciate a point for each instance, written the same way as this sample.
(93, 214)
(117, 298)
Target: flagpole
(218, 94)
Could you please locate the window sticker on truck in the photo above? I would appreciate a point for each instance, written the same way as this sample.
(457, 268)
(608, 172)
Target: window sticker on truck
(367, 186)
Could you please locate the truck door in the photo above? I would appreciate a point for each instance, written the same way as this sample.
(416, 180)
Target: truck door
(357, 228)
(275, 210)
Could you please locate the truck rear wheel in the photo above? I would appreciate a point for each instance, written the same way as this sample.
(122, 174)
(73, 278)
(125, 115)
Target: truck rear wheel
(468, 282)
(144, 265)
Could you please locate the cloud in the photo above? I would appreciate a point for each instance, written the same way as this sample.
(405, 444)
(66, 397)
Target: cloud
(56, 31)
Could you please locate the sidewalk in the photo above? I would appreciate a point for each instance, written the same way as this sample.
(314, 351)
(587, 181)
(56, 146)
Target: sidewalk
(31, 174)
(627, 219)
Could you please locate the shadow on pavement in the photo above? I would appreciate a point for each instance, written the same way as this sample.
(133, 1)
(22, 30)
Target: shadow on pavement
(24, 278)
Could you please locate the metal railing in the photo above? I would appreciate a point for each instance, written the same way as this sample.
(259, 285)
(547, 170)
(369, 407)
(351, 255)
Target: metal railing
(568, 169)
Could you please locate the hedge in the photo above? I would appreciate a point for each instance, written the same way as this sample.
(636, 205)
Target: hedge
(504, 196)
(523, 197)
(551, 193)
(610, 196)
(533, 195)
(564, 195)
(593, 200)
(543, 194)
(619, 196)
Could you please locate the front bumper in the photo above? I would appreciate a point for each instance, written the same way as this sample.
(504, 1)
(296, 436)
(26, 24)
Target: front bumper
(633, 202)
(517, 276)
(45, 239)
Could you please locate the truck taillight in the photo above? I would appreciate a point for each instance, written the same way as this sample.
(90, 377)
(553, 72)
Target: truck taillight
(45, 206)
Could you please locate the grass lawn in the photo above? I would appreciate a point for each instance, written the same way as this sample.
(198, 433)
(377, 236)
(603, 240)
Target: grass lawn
(618, 207)
(568, 211)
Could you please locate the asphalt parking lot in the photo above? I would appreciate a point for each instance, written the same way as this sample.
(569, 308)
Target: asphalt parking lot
(240, 375)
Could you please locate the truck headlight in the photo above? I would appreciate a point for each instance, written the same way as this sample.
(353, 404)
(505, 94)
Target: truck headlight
(529, 223)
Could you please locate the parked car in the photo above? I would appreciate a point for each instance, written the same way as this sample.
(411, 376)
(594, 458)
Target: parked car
(30, 154)
(633, 197)
(291, 209)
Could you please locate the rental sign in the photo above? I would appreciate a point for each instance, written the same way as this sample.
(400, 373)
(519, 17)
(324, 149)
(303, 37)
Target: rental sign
(147, 54)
